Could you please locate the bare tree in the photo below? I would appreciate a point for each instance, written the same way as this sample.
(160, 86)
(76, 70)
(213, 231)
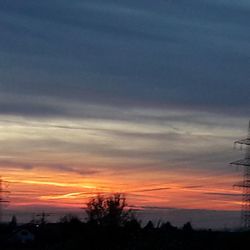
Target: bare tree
(108, 211)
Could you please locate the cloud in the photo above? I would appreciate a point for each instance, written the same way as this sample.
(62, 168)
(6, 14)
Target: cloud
(84, 171)
(128, 54)
(149, 190)
(193, 187)
(124, 87)
(162, 139)
(151, 208)
(30, 109)
(224, 194)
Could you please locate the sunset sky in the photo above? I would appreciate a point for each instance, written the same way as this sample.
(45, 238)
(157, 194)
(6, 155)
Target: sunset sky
(141, 97)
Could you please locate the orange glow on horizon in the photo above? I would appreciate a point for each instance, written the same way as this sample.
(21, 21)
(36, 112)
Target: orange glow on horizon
(63, 163)
(71, 190)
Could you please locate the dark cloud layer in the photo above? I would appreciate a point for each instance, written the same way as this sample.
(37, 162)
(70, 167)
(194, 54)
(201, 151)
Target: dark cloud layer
(45, 165)
(118, 87)
(143, 53)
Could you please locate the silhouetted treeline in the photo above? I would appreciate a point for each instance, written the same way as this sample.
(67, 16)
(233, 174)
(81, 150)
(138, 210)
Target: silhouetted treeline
(110, 226)
(72, 234)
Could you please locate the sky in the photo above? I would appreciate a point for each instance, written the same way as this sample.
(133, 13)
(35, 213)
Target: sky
(140, 97)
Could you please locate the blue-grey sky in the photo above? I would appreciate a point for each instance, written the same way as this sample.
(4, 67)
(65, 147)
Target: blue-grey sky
(193, 54)
(101, 89)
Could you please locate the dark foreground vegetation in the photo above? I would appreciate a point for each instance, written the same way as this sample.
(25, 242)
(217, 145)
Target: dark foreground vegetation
(110, 226)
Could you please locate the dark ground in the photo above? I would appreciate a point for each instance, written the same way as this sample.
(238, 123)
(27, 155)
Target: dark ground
(74, 234)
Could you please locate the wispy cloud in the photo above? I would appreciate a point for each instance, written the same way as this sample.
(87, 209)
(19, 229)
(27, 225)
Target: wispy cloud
(224, 194)
(152, 93)
(146, 58)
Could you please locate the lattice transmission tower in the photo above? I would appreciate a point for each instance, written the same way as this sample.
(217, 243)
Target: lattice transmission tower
(245, 184)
